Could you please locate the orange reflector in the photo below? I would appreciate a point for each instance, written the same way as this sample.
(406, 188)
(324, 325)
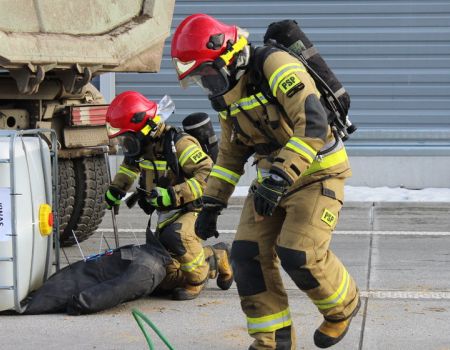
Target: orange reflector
(45, 219)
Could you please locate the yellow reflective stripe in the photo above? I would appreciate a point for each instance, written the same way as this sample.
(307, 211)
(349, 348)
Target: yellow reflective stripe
(302, 148)
(337, 297)
(130, 173)
(145, 164)
(269, 323)
(248, 103)
(192, 265)
(195, 187)
(170, 216)
(223, 115)
(259, 175)
(225, 174)
(327, 162)
(262, 174)
(159, 164)
(186, 153)
(282, 72)
(114, 199)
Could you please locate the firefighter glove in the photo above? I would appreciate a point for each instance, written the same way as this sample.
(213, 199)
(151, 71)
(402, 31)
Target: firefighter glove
(206, 223)
(162, 197)
(113, 197)
(268, 194)
(145, 206)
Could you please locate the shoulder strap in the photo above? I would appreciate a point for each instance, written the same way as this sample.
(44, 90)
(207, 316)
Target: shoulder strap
(257, 81)
(171, 137)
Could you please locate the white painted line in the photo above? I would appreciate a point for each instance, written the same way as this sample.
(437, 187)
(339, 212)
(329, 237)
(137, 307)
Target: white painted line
(352, 233)
(375, 294)
(395, 294)
(394, 233)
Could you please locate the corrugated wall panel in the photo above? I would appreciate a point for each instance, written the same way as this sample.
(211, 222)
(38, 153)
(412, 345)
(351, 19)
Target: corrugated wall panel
(392, 56)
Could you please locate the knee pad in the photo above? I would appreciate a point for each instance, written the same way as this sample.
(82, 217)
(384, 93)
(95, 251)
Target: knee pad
(292, 262)
(247, 270)
(170, 238)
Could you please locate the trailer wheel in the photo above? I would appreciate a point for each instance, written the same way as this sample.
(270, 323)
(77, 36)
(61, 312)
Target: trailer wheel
(91, 183)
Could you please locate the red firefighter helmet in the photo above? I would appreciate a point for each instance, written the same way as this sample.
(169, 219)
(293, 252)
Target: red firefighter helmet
(202, 50)
(130, 111)
(199, 38)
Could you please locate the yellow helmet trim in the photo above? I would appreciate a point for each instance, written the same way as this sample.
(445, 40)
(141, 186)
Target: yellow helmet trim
(237, 47)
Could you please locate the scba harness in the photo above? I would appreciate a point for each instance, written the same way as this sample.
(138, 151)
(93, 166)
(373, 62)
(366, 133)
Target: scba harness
(288, 37)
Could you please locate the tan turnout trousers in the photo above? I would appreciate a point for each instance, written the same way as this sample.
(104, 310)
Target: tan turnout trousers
(297, 236)
(189, 264)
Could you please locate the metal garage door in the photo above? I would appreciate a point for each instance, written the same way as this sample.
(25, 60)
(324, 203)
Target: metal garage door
(392, 56)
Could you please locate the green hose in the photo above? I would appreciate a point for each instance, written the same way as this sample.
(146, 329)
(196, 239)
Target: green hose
(140, 317)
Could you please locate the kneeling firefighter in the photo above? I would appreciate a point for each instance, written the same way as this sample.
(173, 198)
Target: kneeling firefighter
(175, 169)
(270, 107)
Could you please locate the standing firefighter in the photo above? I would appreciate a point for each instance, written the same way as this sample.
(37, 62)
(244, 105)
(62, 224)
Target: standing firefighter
(294, 203)
(175, 169)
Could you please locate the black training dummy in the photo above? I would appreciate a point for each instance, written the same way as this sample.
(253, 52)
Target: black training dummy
(102, 281)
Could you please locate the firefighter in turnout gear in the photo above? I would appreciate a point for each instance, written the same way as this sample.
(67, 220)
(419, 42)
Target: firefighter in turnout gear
(175, 170)
(293, 205)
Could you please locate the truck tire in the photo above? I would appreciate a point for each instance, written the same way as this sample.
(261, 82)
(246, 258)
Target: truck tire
(91, 183)
(66, 190)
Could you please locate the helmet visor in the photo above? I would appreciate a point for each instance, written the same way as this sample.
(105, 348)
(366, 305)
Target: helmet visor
(130, 144)
(112, 132)
(212, 80)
